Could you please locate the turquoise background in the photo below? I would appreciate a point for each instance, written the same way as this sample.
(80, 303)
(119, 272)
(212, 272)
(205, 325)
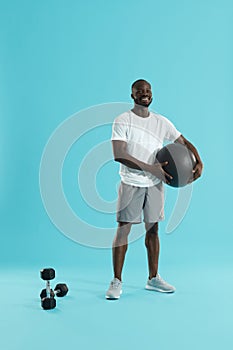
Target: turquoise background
(58, 58)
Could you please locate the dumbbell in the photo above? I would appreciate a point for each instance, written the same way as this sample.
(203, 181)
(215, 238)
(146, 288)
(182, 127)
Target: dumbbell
(47, 295)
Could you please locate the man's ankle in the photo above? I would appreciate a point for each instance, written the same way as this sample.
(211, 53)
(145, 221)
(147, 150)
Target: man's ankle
(118, 277)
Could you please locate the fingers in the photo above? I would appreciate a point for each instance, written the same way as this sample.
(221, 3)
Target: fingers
(164, 163)
(195, 168)
(162, 174)
(166, 181)
(165, 174)
(198, 168)
(163, 177)
(196, 175)
(167, 177)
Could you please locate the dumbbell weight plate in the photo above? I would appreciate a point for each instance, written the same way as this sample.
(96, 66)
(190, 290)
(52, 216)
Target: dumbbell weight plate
(48, 303)
(47, 274)
(43, 293)
(61, 289)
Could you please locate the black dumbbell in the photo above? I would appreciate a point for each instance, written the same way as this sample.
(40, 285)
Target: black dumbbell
(47, 295)
(60, 290)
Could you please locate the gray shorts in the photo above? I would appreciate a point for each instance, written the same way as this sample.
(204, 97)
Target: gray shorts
(132, 200)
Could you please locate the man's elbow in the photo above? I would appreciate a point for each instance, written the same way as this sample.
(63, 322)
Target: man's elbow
(119, 156)
(181, 140)
(118, 159)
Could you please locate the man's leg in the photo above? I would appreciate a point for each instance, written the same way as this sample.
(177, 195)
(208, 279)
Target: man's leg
(129, 208)
(152, 245)
(119, 248)
(155, 282)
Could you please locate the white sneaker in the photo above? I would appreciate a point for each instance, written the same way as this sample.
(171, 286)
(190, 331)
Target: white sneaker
(115, 289)
(159, 285)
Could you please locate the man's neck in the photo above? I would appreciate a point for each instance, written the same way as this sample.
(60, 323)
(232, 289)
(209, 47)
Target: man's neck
(141, 111)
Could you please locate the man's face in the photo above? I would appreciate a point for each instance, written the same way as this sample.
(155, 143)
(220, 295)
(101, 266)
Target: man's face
(142, 94)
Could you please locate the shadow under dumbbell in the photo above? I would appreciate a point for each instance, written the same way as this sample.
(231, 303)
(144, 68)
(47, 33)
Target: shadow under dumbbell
(34, 306)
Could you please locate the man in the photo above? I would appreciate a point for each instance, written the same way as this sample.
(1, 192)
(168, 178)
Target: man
(137, 135)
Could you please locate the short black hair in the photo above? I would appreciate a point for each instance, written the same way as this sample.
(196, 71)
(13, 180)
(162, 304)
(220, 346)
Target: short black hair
(139, 81)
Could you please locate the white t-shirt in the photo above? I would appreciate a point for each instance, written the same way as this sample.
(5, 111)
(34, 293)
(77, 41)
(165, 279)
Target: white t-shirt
(144, 137)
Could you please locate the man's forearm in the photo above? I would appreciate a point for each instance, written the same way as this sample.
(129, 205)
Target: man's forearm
(194, 150)
(190, 146)
(132, 162)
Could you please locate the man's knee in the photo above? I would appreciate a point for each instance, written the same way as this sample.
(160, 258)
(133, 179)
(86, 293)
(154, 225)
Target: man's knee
(122, 233)
(152, 227)
(151, 234)
(124, 227)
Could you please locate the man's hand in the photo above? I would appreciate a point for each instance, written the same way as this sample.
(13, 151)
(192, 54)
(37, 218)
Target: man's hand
(197, 171)
(158, 171)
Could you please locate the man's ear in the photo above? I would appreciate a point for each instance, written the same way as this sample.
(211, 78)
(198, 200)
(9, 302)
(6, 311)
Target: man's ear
(132, 96)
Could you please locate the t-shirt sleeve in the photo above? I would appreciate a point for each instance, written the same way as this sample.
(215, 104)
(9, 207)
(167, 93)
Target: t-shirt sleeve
(171, 133)
(120, 130)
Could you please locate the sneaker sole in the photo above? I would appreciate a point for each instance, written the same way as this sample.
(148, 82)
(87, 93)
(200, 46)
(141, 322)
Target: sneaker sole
(159, 290)
(113, 298)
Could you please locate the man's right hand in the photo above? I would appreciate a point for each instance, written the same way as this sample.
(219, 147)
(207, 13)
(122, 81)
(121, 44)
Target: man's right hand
(158, 171)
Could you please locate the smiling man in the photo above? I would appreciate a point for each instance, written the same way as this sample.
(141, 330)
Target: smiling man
(137, 135)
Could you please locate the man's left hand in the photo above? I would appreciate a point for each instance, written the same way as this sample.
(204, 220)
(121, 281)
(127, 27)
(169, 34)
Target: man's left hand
(197, 171)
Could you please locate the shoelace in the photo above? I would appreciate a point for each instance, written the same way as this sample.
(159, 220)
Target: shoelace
(159, 278)
(115, 284)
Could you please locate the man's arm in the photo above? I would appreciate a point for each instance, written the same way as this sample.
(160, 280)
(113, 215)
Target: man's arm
(199, 166)
(121, 155)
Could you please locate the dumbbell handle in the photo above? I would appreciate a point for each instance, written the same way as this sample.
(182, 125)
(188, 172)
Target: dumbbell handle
(48, 289)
